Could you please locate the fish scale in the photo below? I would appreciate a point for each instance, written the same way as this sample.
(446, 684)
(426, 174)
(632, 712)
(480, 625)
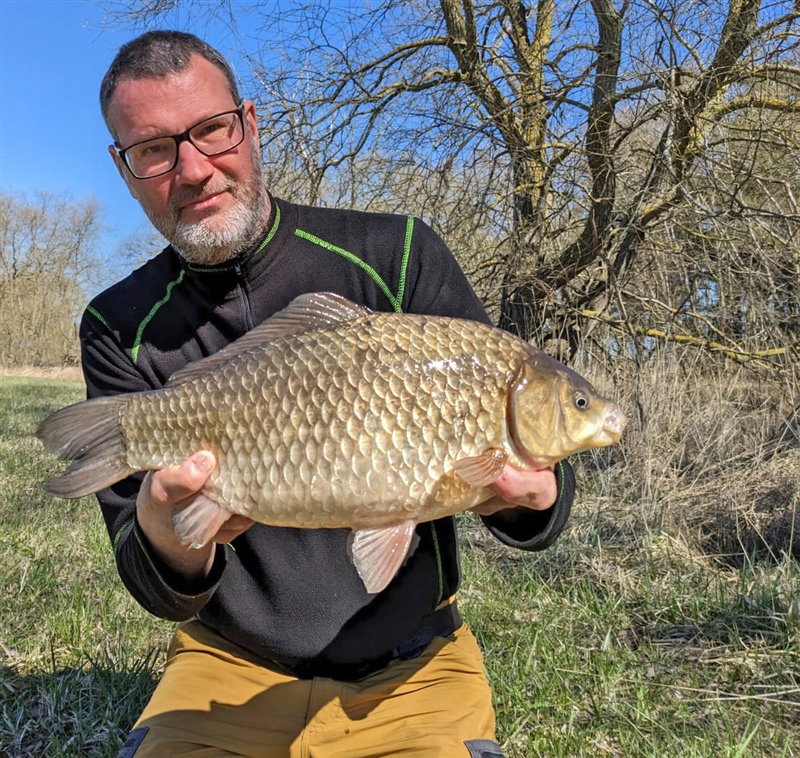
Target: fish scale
(331, 415)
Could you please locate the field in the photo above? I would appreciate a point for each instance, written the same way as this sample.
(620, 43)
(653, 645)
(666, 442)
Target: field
(625, 639)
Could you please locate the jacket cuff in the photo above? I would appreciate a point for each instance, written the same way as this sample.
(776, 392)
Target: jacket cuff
(155, 586)
(537, 530)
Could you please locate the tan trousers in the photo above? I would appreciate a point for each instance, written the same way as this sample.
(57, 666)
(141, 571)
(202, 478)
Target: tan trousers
(214, 699)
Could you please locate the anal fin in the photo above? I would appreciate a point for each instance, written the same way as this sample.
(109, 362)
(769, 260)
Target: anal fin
(196, 524)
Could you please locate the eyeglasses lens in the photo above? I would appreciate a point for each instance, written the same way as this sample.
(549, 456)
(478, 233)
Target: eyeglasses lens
(211, 137)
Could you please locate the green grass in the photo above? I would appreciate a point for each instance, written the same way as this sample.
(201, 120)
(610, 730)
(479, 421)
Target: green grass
(78, 657)
(607, 644)
(641, 650)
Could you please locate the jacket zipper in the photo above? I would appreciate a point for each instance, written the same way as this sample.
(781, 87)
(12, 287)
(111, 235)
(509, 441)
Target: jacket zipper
(247, 310)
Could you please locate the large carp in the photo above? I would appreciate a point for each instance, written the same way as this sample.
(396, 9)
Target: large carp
(332, 415)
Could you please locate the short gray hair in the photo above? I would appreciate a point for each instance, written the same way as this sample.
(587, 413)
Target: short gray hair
(157, 54)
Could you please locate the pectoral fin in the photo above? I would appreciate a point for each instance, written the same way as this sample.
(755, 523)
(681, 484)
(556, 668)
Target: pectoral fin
(481, 470)
(378, 553)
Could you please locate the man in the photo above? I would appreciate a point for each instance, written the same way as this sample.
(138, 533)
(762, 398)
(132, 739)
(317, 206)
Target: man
(285, 653)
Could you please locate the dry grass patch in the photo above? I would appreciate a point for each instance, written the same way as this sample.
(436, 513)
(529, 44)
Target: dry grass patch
(65, 373)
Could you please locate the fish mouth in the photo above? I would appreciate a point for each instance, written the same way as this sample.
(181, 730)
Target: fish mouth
(614, 424)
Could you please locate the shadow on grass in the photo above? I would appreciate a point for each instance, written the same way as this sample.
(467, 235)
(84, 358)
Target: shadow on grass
(84, 711)
(742, 626)
(768, 533)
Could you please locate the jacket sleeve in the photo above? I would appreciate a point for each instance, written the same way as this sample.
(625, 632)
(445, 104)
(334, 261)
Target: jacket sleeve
(108, 370)
(537, 530)
(438, 286)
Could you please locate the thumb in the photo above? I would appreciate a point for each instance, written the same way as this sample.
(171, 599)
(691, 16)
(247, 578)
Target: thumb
(171, 485)
(195, 471)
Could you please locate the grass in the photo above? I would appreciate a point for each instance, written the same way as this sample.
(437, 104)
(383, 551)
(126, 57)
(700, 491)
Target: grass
(617, 641)
(78, 658)
(648, 650)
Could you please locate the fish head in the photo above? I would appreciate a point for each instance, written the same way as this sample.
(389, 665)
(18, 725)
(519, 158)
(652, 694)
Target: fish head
(554, 412)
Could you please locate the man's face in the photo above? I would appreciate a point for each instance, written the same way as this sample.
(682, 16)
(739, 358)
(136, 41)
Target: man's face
(209, 208)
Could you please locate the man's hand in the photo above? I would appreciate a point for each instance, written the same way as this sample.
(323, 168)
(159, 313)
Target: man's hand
(168, 491)
(529, 489)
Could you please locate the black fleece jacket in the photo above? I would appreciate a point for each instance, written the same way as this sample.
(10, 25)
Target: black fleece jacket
(285, 594)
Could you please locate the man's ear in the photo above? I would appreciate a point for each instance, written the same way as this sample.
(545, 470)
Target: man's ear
(251, 122)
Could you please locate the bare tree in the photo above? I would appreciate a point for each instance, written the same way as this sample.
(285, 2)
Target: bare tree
(558, 146)
(138, 247)
(47, 258)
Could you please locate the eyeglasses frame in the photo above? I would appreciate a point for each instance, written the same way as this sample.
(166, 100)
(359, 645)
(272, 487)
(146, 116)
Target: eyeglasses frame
(180, 138)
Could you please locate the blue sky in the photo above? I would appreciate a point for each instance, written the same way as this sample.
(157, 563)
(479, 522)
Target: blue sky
(53, 54)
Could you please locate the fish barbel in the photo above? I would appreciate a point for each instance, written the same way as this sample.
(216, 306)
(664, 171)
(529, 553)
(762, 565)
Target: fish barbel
(332, 415)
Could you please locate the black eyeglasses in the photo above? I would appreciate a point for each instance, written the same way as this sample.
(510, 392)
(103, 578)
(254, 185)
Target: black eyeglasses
(212, 136)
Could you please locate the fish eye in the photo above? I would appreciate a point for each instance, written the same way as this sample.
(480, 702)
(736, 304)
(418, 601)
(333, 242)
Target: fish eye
(581, 401)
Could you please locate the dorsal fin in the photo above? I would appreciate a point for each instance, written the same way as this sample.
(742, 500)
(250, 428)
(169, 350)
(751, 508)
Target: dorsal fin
(312, 310)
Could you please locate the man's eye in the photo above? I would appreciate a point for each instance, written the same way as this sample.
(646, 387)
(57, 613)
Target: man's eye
(152, 149)
(209, 129)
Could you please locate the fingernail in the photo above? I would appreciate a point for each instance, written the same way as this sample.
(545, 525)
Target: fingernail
(203, 463)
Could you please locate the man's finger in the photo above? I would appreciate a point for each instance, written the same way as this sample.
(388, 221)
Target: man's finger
(232, 528)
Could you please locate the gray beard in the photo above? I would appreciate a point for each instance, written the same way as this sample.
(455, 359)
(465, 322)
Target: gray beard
(244, 224)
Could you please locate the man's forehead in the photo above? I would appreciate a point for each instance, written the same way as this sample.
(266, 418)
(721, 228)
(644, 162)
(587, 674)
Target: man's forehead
(171, 102)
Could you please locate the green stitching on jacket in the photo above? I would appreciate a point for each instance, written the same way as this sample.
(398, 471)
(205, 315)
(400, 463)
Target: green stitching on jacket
(98, 316)
(404, 263)
(272, 231)
(138, 341)
(146, 552)
(128, 523)
(395, 300)
(438, 562)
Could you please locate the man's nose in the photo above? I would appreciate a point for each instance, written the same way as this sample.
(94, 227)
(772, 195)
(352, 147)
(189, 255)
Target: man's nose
(192, 167)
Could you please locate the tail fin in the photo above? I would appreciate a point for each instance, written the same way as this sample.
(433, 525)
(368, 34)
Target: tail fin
(89, 435)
